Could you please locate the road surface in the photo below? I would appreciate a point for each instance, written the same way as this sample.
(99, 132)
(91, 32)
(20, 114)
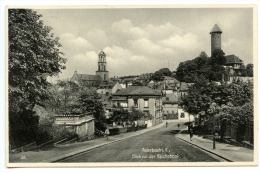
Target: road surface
(158, 145)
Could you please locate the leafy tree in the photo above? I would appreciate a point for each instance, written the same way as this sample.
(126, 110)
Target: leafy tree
(33, 55)
(90, 102)
(158, 76)
(250, 70)
(218, 57)
(165, 72)
(67, 93)
(188, 69)
(203, 93)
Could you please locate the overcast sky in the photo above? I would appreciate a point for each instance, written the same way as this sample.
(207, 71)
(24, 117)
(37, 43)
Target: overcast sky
(142, 40)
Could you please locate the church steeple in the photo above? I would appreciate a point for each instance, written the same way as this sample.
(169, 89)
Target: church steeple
(102, 66)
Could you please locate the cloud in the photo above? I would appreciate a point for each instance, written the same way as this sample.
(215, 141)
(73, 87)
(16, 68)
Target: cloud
(188, 41)
(126, 30)
(76, 44)
(98, 38)
(130, 50)
(162, 31)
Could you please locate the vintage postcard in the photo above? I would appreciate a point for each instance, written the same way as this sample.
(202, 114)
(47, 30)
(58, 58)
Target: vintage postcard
(131, 86)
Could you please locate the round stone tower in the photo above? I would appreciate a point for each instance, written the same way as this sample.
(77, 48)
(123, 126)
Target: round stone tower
(215, 38)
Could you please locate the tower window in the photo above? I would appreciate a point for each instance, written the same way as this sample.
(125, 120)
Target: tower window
(104, 76)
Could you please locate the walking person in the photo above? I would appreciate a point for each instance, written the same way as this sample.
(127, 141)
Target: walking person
(166, 123)
(178, 125)
(191, 132)
(107, 133)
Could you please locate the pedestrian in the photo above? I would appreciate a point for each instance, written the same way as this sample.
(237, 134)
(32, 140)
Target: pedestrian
(166, 123)
(191, 132)
(178, 125)
(107, 133)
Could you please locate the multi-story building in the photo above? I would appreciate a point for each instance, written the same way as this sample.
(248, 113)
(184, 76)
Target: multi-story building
(142, 98)
(108, 87)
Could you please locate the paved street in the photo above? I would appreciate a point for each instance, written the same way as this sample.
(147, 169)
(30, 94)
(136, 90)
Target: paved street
(158, 145)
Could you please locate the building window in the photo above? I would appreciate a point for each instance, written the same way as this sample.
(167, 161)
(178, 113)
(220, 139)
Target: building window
(124, 105)
(135, 103)
(146, 105)
(182, 115)
(105, 76)
(167, 98)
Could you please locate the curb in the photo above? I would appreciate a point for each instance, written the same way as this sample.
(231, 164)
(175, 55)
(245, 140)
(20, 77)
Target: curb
(204, 149)
(65, 156)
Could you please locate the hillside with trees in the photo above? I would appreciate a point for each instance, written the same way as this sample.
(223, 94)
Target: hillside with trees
(209, 67)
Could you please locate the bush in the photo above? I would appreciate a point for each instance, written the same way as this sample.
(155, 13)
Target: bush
(114, 131)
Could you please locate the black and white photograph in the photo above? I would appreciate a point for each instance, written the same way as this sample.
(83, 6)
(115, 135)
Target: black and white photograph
(131, 85)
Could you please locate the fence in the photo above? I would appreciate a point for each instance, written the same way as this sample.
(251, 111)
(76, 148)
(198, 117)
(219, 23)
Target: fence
(234, 131)
(23, 148)
(170, 116)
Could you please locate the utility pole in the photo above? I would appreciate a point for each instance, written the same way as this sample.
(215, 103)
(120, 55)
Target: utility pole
(168, 62)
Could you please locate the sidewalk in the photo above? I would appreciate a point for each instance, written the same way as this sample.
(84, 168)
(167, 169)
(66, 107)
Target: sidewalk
(226, 151)
(62, 151)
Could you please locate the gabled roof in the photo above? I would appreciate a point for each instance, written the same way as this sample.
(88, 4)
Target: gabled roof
(216, 29)
(231, 59)
(129, 79)
(175, 80)
(109, 84)
(89, 77)
(137, 90)
(189, 84)
(172, 98)
(183, 87)
(168, 87)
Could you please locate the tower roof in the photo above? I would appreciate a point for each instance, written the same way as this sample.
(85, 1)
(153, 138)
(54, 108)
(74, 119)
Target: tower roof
(216, 29)
(102, 53)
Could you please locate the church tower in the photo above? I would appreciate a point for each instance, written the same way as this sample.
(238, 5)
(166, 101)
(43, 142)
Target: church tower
(215, 38)
(102, 66)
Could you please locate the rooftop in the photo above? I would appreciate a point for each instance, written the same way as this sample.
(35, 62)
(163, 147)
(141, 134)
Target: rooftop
(183, 87)
(170, 98)
(107, 84)
(216, 29)
(89, 77)
(231, 59)
(137, 90)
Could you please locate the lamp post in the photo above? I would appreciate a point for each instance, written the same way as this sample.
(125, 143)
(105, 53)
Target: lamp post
(214, 143)
(213, 107)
